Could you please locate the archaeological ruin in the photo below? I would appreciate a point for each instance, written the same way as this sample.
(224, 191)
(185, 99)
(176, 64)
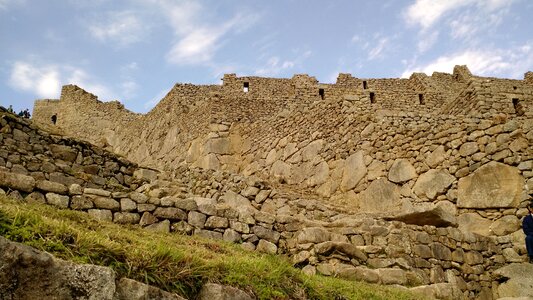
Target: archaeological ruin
(420, 182)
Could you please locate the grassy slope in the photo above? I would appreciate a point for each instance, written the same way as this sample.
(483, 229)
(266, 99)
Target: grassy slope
(173, 262)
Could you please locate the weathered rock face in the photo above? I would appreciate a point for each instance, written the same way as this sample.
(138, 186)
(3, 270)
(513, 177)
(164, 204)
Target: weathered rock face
(402, 170)
(473, 222)
(354, 170)
(31, 274)
(433, 183)
(427, 214)
(517, 280)
(494, 185)
(381, 196)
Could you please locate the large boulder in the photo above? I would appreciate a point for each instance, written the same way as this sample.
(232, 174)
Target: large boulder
(281, 171)
(516, 280)
(433, 183)
(380, 196)
(446, 291)
(472, 222)
(494, 185)
(427, 214)
(354, 171)
(401, 171)
(17, 181)
(31, 274)
(505, 225)
(436, 157)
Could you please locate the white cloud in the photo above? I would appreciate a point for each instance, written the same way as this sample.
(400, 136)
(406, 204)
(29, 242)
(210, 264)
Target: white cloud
(45, 80)
(275, 66)
(493, 62)
(197, 37)
(42, 81)
(196, 47)
(425, 13)
(377, 51)
(123, 28)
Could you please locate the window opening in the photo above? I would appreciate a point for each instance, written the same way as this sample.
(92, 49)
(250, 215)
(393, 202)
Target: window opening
(518, 108)
(372, 98)
(365, 86)
(54, 119)
(321, 93)
(421, 99)
(246, 87)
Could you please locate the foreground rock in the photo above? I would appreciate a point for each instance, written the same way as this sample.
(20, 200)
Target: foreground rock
(31, 274)
(516, 280)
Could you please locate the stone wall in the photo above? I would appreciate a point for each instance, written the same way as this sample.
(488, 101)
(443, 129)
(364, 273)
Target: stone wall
(71, 174)
(46, 167)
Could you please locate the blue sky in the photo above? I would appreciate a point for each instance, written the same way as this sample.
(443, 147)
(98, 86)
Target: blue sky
(136, 50)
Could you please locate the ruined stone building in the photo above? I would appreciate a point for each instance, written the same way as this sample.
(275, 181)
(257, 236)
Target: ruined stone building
(419, 182)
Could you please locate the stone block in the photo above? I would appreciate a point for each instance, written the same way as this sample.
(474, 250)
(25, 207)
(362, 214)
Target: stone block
(142, 207)
(267, 247)
(216, 222)
(147, 219)
(392, 276)
(267, 234)
(34, 197)
(231, 235)
(354, 170)
(401, 171)
(196, 219)
(64, 153)
(493, 185)
(52, 187)
(433, 183)
(101, 214)
(163, 226)
(313, 235)
(186, 204)
(127, 205)
(126, 218)
(81, 202)
(97, 192)
(106, 203)
(171, 213)
(17, 181)
(57, 200)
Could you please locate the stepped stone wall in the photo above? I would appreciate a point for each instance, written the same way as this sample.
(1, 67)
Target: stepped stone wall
(319, 238)
(445, 152)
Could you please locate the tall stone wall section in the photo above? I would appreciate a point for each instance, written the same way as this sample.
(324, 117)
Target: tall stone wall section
(71, 174)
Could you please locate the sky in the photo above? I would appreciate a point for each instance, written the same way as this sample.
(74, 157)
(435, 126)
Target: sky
(134, 51)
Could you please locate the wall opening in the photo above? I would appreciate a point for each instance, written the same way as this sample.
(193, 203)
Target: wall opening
(365, 86)
(246, 87)
(421, 99)
(518, 108)
(54, 119)
(321, 93)
(372, 97)
(514, 87)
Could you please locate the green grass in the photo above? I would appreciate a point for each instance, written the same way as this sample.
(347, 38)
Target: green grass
(173, 262)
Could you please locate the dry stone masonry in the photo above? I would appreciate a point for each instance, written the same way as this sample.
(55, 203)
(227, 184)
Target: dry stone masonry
(420, 182)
